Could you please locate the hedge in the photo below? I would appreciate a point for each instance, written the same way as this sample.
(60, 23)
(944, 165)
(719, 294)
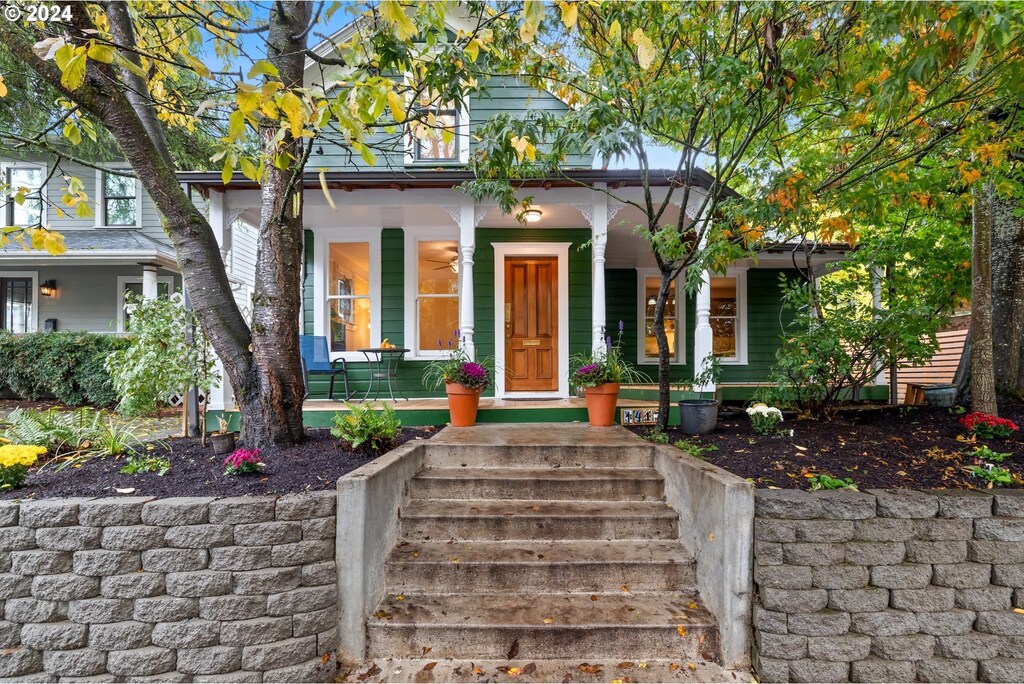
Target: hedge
(65, 365)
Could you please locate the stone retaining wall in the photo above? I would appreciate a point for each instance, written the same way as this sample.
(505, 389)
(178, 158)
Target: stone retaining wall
(185, 589)
(889, 586)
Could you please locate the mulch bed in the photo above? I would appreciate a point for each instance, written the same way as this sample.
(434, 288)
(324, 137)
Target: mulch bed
(916, 447)
(314, 465)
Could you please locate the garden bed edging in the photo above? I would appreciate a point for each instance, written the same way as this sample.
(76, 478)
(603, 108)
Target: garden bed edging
(240, 589)
(889, 585)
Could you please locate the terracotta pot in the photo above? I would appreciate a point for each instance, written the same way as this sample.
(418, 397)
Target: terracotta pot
(462, 404)
(601, 402)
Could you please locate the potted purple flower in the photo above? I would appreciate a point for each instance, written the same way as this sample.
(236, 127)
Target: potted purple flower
(464, 381)
(600, 375)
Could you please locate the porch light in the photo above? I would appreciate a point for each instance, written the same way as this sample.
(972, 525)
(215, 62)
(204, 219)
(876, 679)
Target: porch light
(532, 215)
(48, 288)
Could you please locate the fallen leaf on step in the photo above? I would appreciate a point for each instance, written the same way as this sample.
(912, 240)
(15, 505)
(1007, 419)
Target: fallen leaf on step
(680, 630)
(429, 666)
(624, 665)
(383, 615)
(455, 560)
(641, 665)
(510, 671)
(589, 669)
(513, 650)
(372, 672)
(457, 670)
(624, 588)
(400, 597)
(593, 597)
(691, 666)
(711, 537)
(672, 667)
(548, 621)
(426, 650)
(476, 670)
(1018, 610)
(530, 668)
(693, 605)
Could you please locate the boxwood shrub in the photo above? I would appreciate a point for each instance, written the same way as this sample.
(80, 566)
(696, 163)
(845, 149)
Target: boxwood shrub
(65, 365)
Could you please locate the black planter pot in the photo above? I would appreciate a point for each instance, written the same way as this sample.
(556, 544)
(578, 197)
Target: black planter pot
(698, 416)
(223, 442)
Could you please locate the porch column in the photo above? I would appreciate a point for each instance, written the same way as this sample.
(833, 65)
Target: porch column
(467, 246)
(149, 287)
(703, 339)
(599, 241)
(876, 304)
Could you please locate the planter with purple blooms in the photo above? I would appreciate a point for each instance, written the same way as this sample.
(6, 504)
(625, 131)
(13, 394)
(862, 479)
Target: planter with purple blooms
(464, 381)
(600, 375)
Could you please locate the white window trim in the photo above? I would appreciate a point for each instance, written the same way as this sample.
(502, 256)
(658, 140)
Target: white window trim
(125, 280)
(414, 236)
(33, 320)
(43, 218)
(740, 274)
(641, 318)
(550, 249)
(461, 136)
(322, 238)
(101, 199)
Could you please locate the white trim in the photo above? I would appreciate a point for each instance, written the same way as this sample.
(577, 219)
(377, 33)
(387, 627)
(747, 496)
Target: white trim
(101, 199)
(322, 238)
(34, 275)
(414, 236)
(43, 189)
(641, 317)
(555, 249)
(740, 274)
(125, 280)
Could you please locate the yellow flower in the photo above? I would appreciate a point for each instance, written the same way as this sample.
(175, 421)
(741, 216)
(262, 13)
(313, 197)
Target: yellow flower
(20, 454)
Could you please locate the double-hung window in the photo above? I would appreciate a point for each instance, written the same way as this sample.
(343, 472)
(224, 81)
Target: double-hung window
(675, 318)
(728, 316)
(120, 200)
(348, 296)
(436, 295)
(17, 302)
(438, 133)
(23, 205)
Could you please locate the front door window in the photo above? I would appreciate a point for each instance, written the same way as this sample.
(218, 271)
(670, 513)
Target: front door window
(16, 312)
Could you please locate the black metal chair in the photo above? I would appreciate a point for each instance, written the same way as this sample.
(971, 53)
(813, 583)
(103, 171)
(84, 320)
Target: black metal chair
(316, 360)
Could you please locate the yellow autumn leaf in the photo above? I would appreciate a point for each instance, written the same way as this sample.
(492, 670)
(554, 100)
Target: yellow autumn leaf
(524, 148)
(293, 108)
(248, 98)
(570, 13)
(472, 49)
(71, 61)
(394, 14)
(396, 103)
(533, 14)
(3, 87)
(645, 51)
(101, 53)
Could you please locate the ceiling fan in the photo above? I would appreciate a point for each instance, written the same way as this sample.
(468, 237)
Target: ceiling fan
(452, 263)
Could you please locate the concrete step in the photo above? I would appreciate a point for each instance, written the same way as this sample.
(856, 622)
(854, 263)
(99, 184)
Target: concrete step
(499, 520)
(538, 455)
(538, 566)
(587, 484)
(629, 626)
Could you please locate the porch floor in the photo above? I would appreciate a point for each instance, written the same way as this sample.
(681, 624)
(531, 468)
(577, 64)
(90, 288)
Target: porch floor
(486, 403)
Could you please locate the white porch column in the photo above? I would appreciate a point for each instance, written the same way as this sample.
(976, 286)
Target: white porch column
(876, 304)
(467, 246)
(149, 287)
(703, 342)
(599, 241)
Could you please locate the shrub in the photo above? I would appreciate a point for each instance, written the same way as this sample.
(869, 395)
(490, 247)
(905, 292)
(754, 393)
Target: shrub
(158, 361)
(765, 419)
(988, 427)
(243, 462)
(58, 431)
(15, 460)
(69, 366)
(146, 464)
(364, 425)
(824, 481)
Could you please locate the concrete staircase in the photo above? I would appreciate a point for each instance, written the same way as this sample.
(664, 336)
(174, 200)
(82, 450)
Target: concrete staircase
(515, 549)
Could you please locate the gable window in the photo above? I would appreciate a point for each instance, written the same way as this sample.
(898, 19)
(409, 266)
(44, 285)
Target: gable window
(436, 296)
(17, 302)
(133, 285)
(26, 181)
(348, 296)
(120, 200)
(728, 316)
(675, 316)
(435, 140)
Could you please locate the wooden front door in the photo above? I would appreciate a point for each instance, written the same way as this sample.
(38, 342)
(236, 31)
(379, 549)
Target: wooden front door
(531, 324)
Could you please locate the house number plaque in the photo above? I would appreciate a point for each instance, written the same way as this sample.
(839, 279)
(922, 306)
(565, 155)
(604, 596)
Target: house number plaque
(638, 416)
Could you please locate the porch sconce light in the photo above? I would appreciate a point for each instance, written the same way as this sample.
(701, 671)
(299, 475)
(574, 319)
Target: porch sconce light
(532, 215)
(48, 288)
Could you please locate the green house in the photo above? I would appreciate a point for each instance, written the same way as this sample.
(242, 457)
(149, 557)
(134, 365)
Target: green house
(404, 257)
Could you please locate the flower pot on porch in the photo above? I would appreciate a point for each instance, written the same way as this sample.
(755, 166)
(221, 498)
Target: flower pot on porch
(223, 442)
(463, 403)
(698, 416)
(601, 401)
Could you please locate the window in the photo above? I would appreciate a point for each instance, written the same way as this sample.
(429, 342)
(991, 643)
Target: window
(119, 200)
(434, 139)
(26, 180)
(728, 316)
(348, 296)
(17, 296)
(437, 294)
(133, 284)
(649, 282)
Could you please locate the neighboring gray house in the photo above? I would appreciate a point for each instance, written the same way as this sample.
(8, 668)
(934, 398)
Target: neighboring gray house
(122, 248)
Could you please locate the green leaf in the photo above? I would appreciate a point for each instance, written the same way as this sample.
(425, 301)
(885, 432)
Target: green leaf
(262, 68)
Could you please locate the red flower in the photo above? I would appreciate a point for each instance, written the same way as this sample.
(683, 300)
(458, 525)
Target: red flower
(988, 426)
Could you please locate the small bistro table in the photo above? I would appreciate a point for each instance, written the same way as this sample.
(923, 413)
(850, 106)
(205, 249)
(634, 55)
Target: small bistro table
(384, 362)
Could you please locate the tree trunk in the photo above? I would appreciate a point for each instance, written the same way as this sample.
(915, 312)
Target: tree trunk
(1007, 297)
(983, 386)
(664, 353)
(273, 413)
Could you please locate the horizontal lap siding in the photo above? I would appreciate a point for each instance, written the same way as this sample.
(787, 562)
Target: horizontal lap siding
(939, 370)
